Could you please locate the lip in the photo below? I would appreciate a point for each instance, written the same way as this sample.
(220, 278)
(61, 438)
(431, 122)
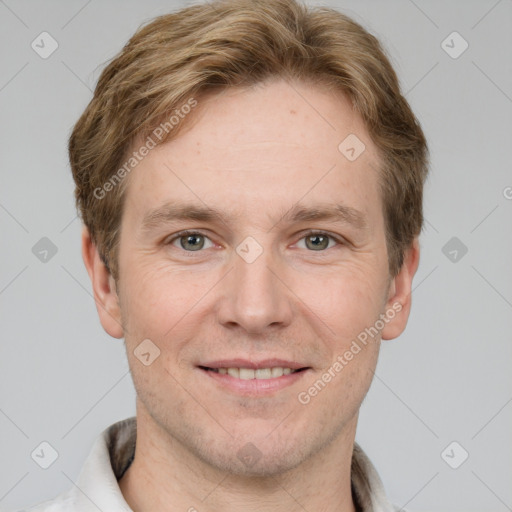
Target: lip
(254, 365)
(253, 387)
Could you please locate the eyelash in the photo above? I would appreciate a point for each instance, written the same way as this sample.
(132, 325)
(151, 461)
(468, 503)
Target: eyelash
(181, 234)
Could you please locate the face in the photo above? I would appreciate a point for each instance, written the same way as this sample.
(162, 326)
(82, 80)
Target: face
(251, 308)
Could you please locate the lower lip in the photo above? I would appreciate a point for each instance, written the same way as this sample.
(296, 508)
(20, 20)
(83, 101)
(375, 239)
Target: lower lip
(255, 387)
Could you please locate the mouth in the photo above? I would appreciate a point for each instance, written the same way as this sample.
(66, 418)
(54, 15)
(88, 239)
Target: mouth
(254, 379)
(251, 373)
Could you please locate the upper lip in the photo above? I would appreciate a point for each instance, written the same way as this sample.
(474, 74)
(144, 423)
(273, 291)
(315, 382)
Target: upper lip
(255, 365)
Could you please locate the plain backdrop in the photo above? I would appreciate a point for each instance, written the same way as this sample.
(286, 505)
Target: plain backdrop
(446, 379)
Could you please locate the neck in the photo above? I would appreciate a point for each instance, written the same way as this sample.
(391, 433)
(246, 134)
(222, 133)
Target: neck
(165, 476)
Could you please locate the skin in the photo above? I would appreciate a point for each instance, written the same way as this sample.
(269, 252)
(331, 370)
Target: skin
(253, 154)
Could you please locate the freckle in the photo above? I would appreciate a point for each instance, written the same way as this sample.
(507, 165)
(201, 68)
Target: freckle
(292, 112)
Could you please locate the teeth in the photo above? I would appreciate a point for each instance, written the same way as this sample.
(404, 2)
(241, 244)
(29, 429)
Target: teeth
(263, 373)
(234, 372)
(260, 373)
(246, 373)
(277, 372)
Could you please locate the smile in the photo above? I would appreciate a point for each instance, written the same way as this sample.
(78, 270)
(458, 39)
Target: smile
(250, 373)
(246, 378)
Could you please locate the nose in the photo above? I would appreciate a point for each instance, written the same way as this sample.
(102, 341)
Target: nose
(255, 295)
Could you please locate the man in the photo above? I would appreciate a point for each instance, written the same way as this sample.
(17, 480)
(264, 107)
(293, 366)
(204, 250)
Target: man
(250, 181)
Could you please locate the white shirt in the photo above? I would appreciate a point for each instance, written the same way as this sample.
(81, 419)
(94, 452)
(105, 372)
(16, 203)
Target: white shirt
(97, 486)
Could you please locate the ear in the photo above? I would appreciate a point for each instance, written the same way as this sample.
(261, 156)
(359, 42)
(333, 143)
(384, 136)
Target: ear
(399, 297)
(104, 287)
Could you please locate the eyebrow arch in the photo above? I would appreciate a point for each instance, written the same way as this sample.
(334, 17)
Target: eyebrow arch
(173, 211)
(325, 211)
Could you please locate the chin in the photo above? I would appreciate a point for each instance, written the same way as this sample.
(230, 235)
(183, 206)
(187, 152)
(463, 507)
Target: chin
(261, 456)
(250, 461)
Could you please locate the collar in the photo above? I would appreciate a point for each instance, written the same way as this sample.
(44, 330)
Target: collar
(112, 453)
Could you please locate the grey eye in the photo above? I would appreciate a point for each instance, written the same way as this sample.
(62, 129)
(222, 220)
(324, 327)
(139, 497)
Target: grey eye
(317, 242)
(192, 242)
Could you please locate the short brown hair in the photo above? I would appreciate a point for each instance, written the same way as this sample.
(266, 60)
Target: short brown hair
(228, 43)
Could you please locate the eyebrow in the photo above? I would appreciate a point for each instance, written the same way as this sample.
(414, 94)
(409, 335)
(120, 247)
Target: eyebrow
(179, 211)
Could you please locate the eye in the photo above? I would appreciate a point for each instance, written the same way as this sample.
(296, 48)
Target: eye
(319, 240)
(190, 241)
(194, 241)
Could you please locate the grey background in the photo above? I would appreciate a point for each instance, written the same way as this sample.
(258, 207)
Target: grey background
(447, 378)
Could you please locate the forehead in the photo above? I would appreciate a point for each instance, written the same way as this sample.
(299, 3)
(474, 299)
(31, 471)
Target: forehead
(262, 149)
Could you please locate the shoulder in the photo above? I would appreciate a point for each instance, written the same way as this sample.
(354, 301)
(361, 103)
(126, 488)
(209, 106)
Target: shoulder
(64, 502)
(97, 487)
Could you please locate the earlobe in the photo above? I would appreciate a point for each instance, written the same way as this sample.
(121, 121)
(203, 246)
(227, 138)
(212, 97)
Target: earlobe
(104, 289)
(398, 305)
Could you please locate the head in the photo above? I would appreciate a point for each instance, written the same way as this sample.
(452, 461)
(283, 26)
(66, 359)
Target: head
(251, 118)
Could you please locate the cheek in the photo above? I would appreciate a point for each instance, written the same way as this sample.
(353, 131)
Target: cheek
(346, 301)
(160, 303)
(350, 306)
